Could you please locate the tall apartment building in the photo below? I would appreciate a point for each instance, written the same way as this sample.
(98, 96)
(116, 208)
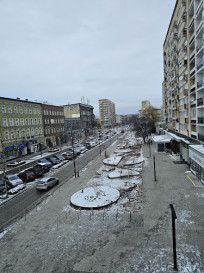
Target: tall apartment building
(183, 85)
(53, 121)
(107, 113)
(21, 127)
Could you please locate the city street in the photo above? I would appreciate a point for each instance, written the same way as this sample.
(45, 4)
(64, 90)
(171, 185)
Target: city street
(29, 198)
(54, 237)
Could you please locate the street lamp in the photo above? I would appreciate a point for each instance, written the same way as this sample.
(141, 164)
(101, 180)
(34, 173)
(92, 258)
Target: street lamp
(73, 154)
(99, 141)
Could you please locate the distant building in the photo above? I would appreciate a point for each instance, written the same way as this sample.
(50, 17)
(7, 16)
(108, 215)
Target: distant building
(144, 111)
(107, 113)
(21, 127)
(79, 119)
(145, 103)
(53, 121)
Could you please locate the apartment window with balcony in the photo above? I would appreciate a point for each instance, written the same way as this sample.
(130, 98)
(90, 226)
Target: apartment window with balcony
(11, 122)
(5, 123)
(17, 122)
(9, 109)
(25, 110)
(6, 134)
(3, 109)
(15, 110)
(22, 121)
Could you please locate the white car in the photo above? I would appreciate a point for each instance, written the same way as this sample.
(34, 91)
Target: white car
(13, 180)
(46, 182)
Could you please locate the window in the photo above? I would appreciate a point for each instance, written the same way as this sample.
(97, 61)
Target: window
(46, 131)
(12, 134)
(31, 121)
(36, 131)
(5, 123)
(32, 132)
(28, 132)
(6, 133)
(25, 110)
(20, 110)
(3, 109)
(23, 133)
(30, 111)
(35, 121)
(15, 110)
(39, 121)
(38, 111)
(40, 130)
(22, 121)
(26, 121)
(34, 111)
(18, 133)
(11, 122)
(9, 109)
(17, 122)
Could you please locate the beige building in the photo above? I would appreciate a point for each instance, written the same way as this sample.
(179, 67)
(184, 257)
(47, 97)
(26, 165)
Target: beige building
(144, 110)
(107, 113)
(183, 85)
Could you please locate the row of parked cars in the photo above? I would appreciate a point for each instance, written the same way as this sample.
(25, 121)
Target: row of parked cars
(42, 166)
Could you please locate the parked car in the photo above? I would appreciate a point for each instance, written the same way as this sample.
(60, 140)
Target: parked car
(16, 163)
(53, 160)
(45, 168)
(13, 180)
(87, 145)
(67, 155)
(59, 157)
(45, 161)
(27, 176)
(53, 150)
(81, 148)
(46, 182)
(3, 187)
(38, 170)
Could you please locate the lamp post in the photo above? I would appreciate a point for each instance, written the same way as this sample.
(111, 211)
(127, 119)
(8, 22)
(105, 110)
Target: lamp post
(73, 154)
(99, 141)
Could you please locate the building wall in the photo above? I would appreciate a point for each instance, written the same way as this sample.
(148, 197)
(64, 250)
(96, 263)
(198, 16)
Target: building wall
(54, 127)
(21, 127)
(183, 88)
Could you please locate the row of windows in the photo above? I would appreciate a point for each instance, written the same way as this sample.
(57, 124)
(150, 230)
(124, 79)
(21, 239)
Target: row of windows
(15, 134)
(53, 113)
(20, 110)
(54, 121)
(53, 130)
(20, 122)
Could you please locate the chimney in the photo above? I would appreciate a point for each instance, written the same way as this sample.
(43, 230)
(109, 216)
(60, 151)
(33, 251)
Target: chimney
(18, 98)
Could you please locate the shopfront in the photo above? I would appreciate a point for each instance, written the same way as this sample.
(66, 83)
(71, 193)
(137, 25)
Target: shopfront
(196, 155)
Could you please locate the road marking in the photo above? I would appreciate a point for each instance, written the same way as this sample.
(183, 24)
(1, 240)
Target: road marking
(194, 183)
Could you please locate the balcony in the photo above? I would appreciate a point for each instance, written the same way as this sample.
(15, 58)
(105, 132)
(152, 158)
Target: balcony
(199, 27)
(199, 46)
(200, 137)
(199, 65)
(200, 102)
(192, 39)
(199, 7)
(200, 120)
(191, 23)
(192, 72)
(199, 83)
(193, 88)
(192, 56)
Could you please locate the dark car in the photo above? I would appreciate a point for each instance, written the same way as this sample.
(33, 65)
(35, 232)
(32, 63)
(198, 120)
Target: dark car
(43, 166)
(3, 187)
(27, 176)
(59, 157)
(38, 171)
(87, 145)
(53, 160)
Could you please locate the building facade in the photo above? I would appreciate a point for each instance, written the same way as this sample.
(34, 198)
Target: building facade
(21, 127)
(54, 124)
(183, 85)
(107, 113)
(79, 119)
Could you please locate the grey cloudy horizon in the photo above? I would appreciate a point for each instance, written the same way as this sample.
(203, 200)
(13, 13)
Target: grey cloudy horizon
(60, 51)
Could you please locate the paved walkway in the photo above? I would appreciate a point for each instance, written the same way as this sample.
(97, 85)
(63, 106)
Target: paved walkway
(56, 238)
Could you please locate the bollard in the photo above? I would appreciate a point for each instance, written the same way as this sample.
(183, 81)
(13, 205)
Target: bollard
(130, 216)
(78, 174)
(103, 214)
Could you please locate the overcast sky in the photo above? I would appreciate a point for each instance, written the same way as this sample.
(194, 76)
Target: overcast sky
(61, 50)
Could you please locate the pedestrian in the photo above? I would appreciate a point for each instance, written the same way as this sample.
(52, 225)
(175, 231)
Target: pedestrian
(105, 155)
